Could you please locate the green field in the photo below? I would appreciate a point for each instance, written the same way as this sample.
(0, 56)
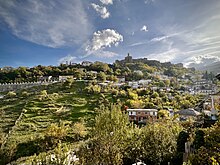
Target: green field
(39, 110)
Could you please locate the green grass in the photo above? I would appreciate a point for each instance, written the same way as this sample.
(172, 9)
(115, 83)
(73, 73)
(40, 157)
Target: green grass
(64, 104)
(72, 105)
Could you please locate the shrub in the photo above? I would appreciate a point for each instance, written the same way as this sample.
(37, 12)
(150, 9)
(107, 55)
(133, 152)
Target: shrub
(11, 94)
(24, 94)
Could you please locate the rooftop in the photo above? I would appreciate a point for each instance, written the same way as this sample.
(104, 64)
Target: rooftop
(188, 112)
(143, 110)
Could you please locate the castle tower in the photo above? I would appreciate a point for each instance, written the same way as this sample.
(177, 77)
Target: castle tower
(128, 59)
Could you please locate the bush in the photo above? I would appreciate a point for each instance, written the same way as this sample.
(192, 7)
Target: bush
(11, 94)
(79, 130)
(55, 133)
(24, 94)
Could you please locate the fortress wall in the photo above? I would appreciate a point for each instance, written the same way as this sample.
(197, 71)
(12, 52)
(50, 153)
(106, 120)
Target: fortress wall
(17, 86)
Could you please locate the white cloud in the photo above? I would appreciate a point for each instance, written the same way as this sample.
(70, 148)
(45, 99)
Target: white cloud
(167, 56)
(157, 39)
(68, 58)
(201, 61)
(48, 23)
(148, 1)
(105, 54)
(138, 43)
(102, 11)
(107, 2)
(144, 28)
(165, 37)
(104, 38)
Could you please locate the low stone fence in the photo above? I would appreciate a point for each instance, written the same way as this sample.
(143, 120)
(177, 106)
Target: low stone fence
(16, 86)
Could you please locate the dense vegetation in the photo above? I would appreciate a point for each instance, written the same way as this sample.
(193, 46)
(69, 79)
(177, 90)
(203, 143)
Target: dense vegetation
(61, 117)
(88, 119)
(25, 74)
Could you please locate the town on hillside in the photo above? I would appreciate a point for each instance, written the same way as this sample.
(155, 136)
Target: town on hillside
(94, 106)
(137, 74)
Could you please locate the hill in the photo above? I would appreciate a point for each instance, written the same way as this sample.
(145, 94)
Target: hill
(26, 117)
(86, 70)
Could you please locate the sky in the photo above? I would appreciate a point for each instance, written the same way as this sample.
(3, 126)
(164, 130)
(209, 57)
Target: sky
(50, 32)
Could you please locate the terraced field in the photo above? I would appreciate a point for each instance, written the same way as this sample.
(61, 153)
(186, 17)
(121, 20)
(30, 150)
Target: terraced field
(25, 118)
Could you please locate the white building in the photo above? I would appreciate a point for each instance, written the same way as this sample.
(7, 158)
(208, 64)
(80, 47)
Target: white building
(121, 79)
(45, 78)
(144, 82)
(133, 84)
(64, 78)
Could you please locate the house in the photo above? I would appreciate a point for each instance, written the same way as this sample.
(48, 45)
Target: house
(139, 163)
(73, 64)
(164, 77)
(154, 88)
(64, 78)
(86, 63)
(45, 78)
(142, 115)
(157, 73)
(118, 84)
(133, 84)
(144, 82)
(103, 84)
(121, 79)
(207, 113)
(188, 113)
(205, 91)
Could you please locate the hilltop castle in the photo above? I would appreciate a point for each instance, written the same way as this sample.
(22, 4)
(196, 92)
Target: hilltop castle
(129, 59)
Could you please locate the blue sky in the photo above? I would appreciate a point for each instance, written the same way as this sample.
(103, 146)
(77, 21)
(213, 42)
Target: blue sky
(34, 32)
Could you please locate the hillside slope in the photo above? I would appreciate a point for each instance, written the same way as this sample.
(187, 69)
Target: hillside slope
(26, 117)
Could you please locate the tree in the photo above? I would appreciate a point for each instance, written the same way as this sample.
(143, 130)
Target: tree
(184, 104)
(158, 142)
(137, 75)
(134, 103)
(132, 95)
(161, 84)
(118, 72)
(79, 74)
(149, 105)
(100, 66)
(163, 114)
(68, 82)
(167, 83)
(155, 95)
(102, 76)
(109, 139)
(182, 139)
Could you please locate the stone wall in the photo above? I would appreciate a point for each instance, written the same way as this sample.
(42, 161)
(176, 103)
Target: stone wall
(16, 86)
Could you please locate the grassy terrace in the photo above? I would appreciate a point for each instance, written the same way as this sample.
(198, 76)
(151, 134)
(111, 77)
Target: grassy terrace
(10, 110)
(60, 103)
